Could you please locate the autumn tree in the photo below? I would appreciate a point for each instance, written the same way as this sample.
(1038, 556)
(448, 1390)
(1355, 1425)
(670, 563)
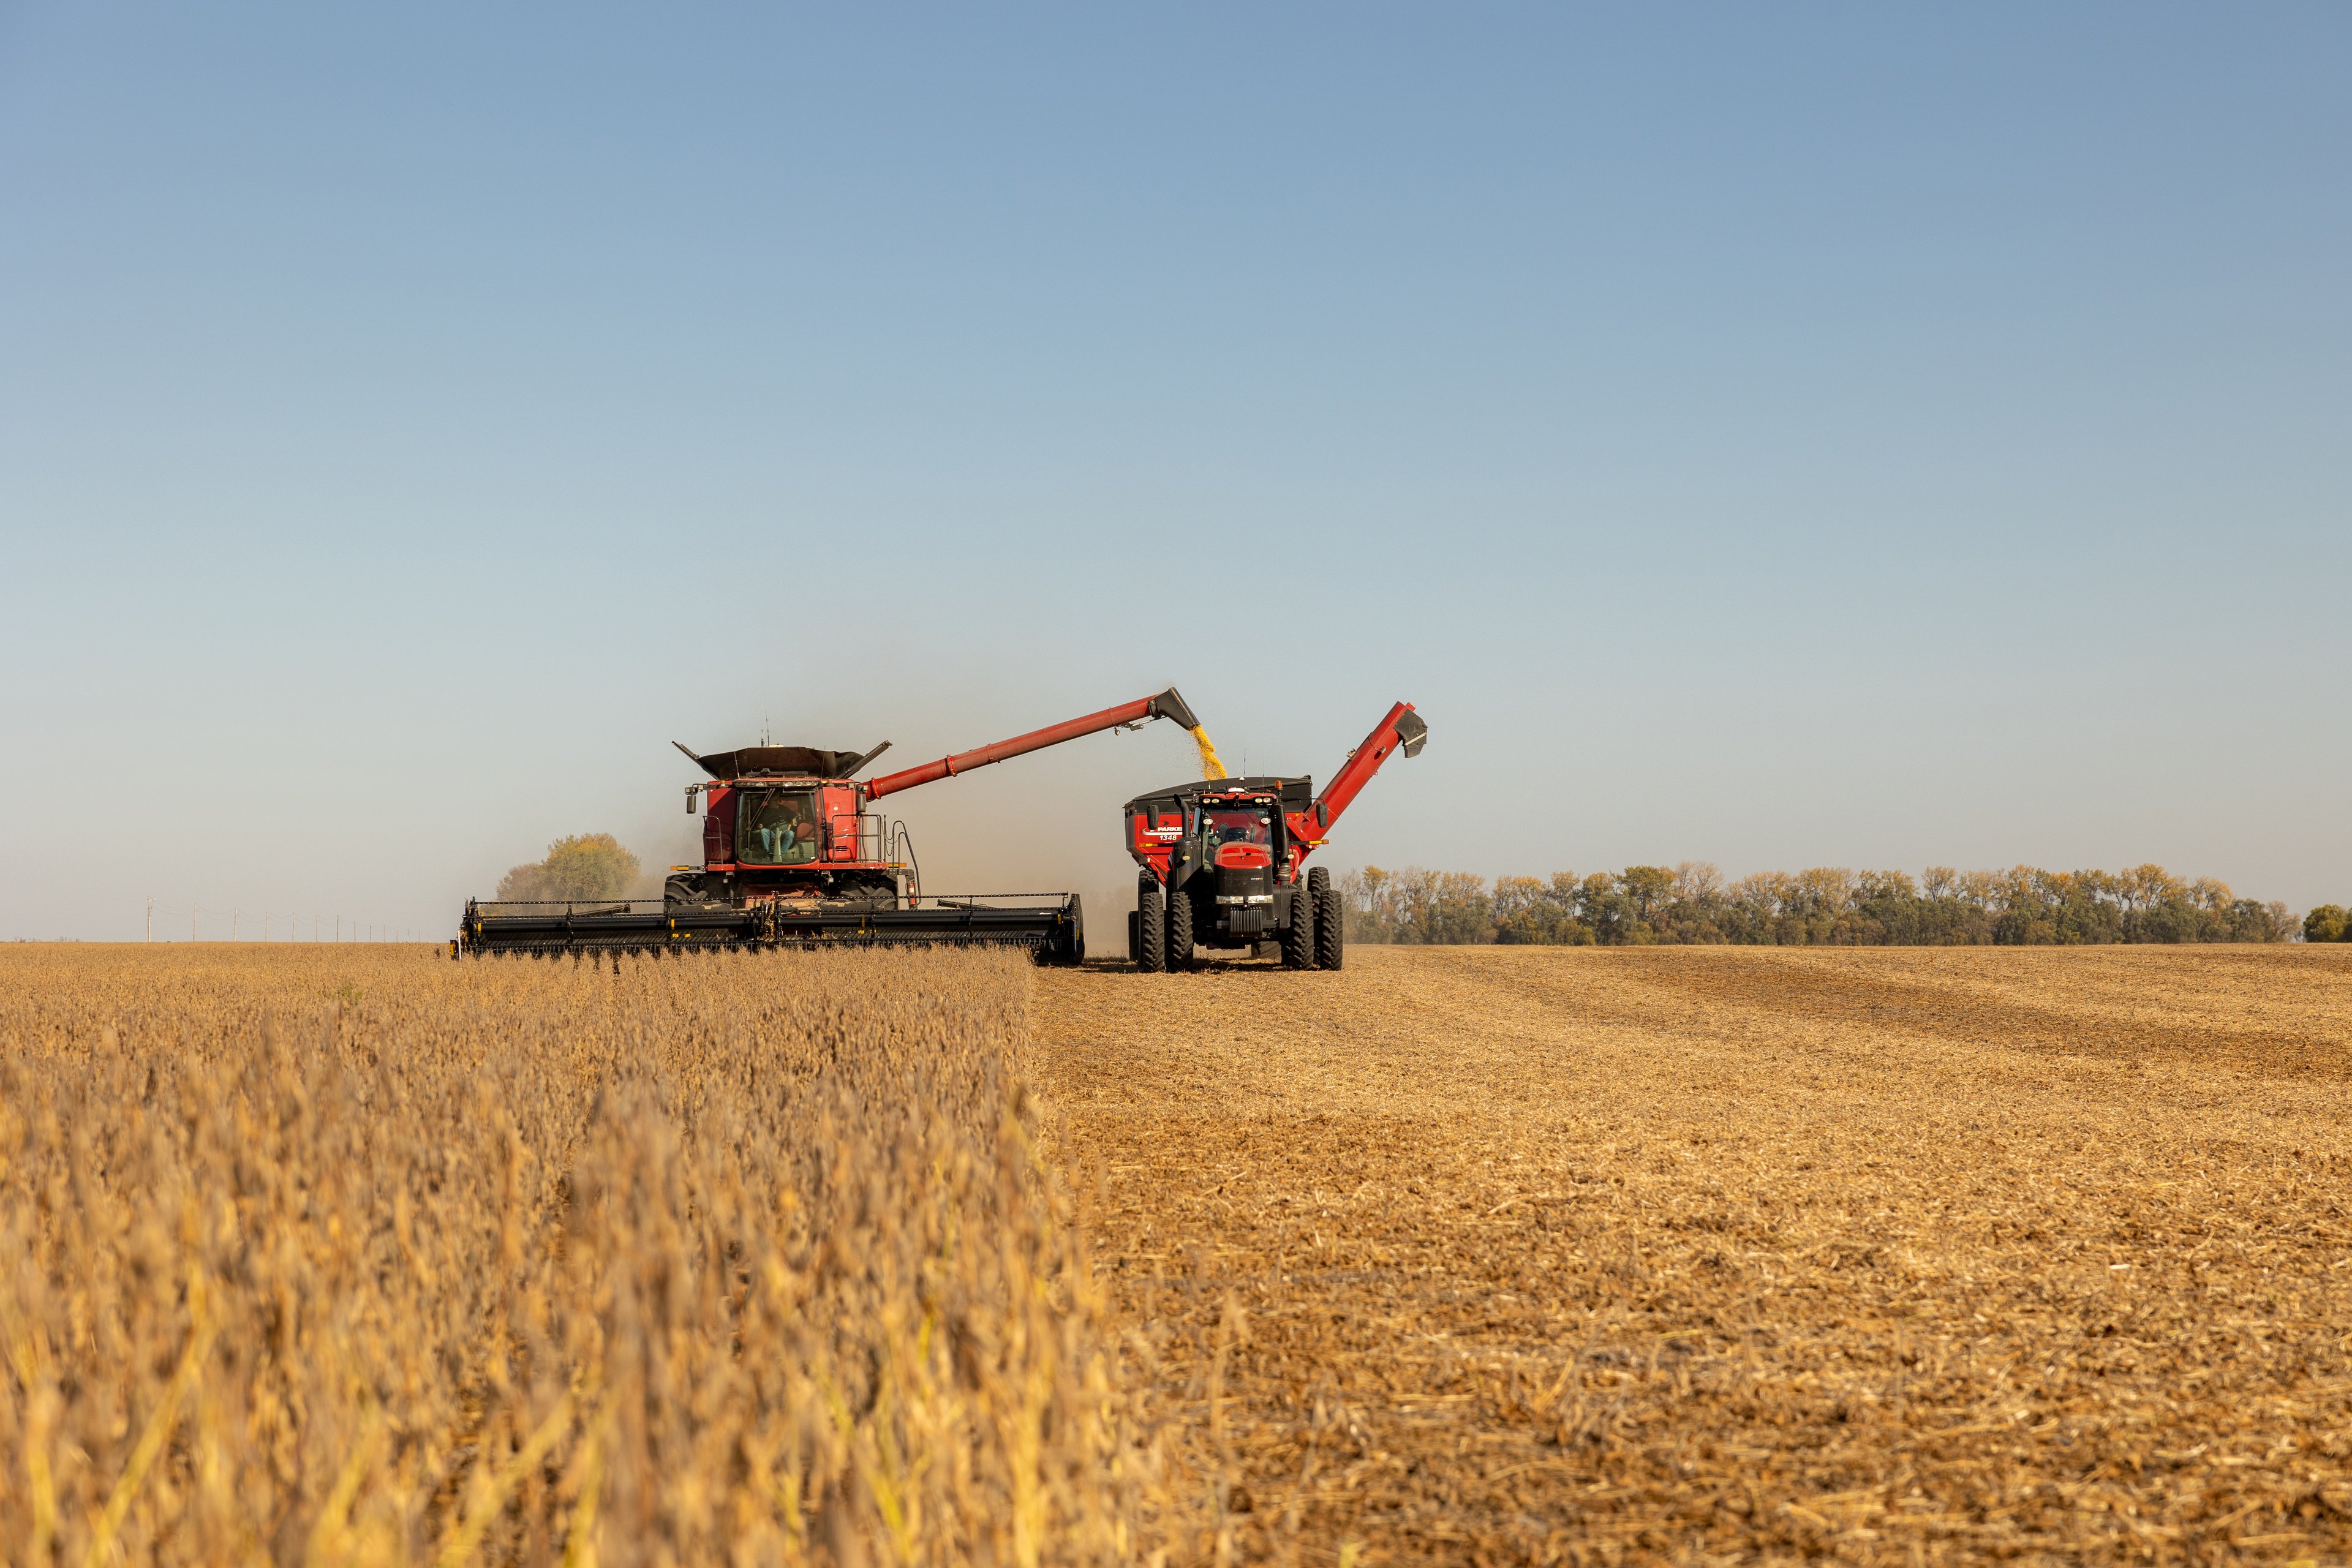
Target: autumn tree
(585, 865)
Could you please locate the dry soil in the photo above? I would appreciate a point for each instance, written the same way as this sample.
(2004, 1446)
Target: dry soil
(1663, 1255)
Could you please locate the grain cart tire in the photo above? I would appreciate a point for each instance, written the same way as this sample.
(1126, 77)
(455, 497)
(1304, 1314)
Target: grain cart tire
(1150, 926)
(1135, 937)
(1299, 937)
(1179, 929)
(1329, 936)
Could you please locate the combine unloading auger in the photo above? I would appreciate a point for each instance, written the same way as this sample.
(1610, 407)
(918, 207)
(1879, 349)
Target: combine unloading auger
(793, 857)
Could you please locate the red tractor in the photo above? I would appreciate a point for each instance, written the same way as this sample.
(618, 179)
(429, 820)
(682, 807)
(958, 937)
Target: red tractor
(792, 854)
(1223, 861)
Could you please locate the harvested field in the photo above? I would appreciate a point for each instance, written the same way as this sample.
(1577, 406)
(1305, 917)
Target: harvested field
(1495, 1255)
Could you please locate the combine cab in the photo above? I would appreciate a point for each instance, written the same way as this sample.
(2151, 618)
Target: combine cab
(792, 854)
(1222, 861)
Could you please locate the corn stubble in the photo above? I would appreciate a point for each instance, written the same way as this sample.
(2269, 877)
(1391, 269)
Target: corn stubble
(316, 1256)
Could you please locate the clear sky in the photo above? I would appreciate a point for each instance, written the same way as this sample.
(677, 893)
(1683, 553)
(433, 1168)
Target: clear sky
(1863, 435)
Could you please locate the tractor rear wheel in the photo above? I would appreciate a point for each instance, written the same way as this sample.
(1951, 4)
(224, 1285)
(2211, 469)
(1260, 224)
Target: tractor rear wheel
(1299, 937)
(1329, 935)
(1179, 929)
(1150, 926)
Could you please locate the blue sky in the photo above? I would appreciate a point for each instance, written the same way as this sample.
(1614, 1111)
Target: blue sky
(1828, 436)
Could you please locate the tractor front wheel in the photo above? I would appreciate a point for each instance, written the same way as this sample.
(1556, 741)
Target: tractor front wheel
(1329, 934)
(1150, 926)
(1179, 929)
(1299, 937)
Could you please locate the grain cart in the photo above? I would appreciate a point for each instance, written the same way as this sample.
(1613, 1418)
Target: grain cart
(794, 855)
(1222, 861)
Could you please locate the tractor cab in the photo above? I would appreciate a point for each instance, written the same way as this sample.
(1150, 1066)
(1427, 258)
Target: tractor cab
(775, 826)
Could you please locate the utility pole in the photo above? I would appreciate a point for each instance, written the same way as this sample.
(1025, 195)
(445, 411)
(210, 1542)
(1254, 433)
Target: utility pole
(151, 917)
(191, 922)
(233, 912)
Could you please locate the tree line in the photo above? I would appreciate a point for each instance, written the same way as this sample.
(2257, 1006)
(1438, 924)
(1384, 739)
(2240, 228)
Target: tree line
(1827, 906)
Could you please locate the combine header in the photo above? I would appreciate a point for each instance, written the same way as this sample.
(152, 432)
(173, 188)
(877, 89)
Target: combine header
(1222, 859)
(793, 856)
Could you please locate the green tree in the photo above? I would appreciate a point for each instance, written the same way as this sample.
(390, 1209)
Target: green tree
(1646, 889)
(585, 865)
(2324, 923)
(1535, 913)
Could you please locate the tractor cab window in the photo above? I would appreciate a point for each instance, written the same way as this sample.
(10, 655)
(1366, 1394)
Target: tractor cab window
(776, 828)
(1239, 825)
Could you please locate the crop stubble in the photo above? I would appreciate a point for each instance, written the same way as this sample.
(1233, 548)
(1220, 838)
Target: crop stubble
(314, 1254)
(1907, 1255)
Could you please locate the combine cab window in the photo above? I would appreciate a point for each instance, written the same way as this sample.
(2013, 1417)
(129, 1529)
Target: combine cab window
(1246, 825)
(776, 828)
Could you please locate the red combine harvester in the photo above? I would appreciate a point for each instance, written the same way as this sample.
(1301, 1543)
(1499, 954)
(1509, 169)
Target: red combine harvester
(1222, 859)
(792, 855)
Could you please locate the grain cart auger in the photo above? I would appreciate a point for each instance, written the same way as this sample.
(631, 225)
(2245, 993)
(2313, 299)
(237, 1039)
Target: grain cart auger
(1223, 859)
(793, 856)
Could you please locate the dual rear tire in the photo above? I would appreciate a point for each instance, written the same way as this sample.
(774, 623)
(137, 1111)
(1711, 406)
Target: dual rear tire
(1162, 928)
(1179, 929)
(1299, 937)
(1316, 939)
(1151, 953)
(1330, 936)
